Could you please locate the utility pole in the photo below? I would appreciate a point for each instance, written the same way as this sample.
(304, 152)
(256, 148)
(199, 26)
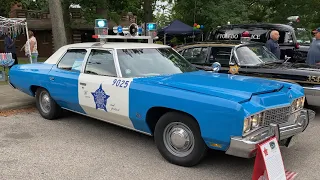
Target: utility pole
(58, 29)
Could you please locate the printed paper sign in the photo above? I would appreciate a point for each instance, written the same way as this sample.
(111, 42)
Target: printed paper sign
(273, 160)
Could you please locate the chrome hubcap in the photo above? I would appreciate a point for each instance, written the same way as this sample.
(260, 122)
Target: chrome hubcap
(45, 102)
(178, 139)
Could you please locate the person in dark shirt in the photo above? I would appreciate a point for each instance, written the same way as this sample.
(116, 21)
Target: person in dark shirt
(313, 56)
(10, 47)
(272, 44)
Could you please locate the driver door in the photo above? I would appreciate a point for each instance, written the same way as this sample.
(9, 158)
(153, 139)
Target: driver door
(102, 93)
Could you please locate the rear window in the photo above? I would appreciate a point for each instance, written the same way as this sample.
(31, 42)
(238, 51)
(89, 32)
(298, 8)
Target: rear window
(257, 35)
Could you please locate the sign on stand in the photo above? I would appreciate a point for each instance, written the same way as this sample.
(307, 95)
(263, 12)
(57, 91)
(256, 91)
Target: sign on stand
(269, 164)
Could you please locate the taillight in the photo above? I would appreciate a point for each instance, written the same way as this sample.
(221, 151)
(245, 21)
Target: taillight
(297, 46)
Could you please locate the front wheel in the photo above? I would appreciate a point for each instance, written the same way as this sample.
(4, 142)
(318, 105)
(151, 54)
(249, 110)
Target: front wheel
(47, 106)
(179, 140)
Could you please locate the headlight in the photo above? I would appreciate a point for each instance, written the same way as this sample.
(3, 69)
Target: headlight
(252, 122)
(298, 103)
(247, 125)
(256, 120)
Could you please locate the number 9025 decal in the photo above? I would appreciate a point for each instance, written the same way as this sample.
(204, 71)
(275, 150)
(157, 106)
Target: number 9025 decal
(120, 83)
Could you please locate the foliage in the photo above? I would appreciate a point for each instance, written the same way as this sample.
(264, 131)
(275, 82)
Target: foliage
(41, 5)
(163, 14)
(114, 8)
(5, 7)
(213, 13)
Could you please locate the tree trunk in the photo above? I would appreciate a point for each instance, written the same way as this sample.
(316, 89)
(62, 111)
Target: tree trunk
(147, 8)
(66, 18)
(58, 29)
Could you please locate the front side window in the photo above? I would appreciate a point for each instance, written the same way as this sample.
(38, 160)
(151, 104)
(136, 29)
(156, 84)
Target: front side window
(254, 55)
(72, 60)
(101, 62)
(221, 55)
(152, 61)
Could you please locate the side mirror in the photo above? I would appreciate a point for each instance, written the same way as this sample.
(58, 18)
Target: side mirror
(216, 66)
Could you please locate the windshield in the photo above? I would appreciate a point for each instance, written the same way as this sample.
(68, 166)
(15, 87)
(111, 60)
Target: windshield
(254, 55)
(152, 61)
(303, 36)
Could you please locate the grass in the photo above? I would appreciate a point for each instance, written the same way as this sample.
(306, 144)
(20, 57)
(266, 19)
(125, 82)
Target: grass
(21, 61)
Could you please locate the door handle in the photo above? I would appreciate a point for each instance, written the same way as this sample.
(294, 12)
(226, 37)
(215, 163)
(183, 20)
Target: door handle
(51, 78)
(83, 84)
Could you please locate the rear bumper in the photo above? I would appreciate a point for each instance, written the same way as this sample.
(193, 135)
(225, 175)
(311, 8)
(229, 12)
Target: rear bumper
(246, 146)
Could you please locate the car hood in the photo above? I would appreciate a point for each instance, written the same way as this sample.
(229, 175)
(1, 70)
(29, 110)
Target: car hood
(232, 87)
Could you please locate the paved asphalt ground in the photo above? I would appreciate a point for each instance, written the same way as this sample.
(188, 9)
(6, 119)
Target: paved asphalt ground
(76, 147)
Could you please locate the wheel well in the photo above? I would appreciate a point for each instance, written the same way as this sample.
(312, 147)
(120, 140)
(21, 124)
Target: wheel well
(33, 89)
(154, 114)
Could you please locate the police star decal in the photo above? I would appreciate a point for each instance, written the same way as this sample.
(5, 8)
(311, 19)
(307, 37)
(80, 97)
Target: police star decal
(100, 98)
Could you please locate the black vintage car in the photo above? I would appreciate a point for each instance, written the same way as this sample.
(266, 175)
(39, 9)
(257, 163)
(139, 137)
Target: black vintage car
(253, 59)
(294, 42)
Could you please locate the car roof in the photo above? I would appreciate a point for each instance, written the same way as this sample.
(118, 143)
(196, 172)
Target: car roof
(259, 25)
(116, 45)
(54, 58)
(215, 44)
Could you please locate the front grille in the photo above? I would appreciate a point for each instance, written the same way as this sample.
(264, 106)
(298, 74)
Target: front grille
(277, 116)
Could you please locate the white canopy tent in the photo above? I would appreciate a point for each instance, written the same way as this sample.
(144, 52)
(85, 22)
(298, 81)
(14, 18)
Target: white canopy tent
(15, 26)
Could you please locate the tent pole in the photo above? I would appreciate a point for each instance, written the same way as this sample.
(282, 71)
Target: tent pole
(29, 48)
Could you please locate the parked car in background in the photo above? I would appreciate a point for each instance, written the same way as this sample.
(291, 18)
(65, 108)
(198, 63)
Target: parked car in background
(253, 59)
(294, 43)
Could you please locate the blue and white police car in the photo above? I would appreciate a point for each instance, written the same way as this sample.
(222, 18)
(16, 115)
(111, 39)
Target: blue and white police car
(152, 89)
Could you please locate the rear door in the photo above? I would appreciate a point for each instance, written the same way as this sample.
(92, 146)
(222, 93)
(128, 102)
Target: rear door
(103, 94)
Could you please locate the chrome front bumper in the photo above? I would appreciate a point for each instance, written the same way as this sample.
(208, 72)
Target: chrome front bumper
(246, 146)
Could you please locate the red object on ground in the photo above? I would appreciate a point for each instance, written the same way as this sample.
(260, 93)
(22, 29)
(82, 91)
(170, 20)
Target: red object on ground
(259, 169)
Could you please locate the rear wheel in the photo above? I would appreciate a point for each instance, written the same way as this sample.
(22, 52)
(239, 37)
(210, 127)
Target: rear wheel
(179, 140)
(47, 106)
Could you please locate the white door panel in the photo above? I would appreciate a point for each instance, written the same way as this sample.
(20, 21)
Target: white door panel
(105, 98)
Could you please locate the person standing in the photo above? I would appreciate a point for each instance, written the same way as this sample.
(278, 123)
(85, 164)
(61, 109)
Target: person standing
(272, 44)
(33, 47)
(10, 47)
(313, 56)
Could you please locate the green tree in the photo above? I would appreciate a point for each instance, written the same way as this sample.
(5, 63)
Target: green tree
(113, 8)
(212, 13)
